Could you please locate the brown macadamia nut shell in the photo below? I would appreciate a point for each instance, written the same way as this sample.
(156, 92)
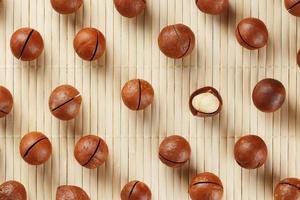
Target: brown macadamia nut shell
(130, 8)
(136, 190)
(66, 6)
(12, 190)
(287, 189)
(174, 151)
(65, 102)
(252, 33)
(26, 44)
(176, 41)
(35, 148)
(6, 102)
(250, 152)
(206, 186)
(70, 192)
(205, 90)
(293, 6)
(89, 44)
(91, 151)
(298, 58)
(213, 7)
(268, 95)
(137, 94)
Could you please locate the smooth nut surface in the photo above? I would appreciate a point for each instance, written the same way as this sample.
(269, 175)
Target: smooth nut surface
(6, 101)
(174, 151)
(206, 186)
(213, 7)
(66, 6)
(26, 44)
(12, 190)
(130, 8)
(252, 33)
(70, 192)
(250, 152)
(298, 58)
(268, 95)
(89, 44)
(287, 189)
(293, 6)
(65, 102)
(136, 190)
(205, 102)
(137, 94)
(91, 151)
(176, 41)
(35, 148)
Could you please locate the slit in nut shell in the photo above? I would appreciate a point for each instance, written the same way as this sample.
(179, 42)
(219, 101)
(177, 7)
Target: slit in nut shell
(205, 102)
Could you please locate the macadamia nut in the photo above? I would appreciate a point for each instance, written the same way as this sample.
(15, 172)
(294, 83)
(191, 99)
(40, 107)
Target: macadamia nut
(206, 102)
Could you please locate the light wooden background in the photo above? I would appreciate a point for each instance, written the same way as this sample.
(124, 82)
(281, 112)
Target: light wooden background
(133, 138)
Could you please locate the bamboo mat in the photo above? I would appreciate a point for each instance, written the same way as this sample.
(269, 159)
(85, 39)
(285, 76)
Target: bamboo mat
(133, 137)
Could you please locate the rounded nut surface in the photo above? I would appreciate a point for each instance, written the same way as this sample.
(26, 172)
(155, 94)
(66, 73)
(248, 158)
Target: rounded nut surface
(205, 102)
(298, 58)
(213, 7)
(6, 102)
(206, 186)
(293, 6)
(91, 151)
(174, 151)
(252, 33)
(137, 94)
(268, 95)
(287, 189)
(89, 44)
(66, 6)
(12, 190)
(35, 148)
(65, 102)
(176, 41)
(136, 190)
(70, 192)
(130, 8)
(26, 44)
(250, 152)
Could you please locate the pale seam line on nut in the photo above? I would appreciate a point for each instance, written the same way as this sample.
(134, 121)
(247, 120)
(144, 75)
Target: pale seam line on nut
(290, 185)
(207, 182)
(94, 153)
(78, 95)
(172, 161)
(206, 102)
(293, 6)
(4, 112)
(96, 48)
(27, 151)
(238, 28)
(25, 43)
(180, 38)
(131, 191)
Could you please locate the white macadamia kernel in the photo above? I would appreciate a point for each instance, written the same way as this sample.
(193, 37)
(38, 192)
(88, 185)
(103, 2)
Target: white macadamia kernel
(206, 103)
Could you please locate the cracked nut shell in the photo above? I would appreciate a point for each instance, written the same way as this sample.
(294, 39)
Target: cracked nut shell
(91, 151)
(252, 33)
(89, 44)
(35, 148)
(287, 189)
(65, 102)
(205, 103)
(268, 95)
(70, 192)
(206, 186)
(66, 6)
(293, 6)
(130, 8)
(213, 7)
(250, 152)
(6, 102)
(137, 94)
(136, 190)
(26, 44)
(12, 190)
(176, 41)
(174, 151)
